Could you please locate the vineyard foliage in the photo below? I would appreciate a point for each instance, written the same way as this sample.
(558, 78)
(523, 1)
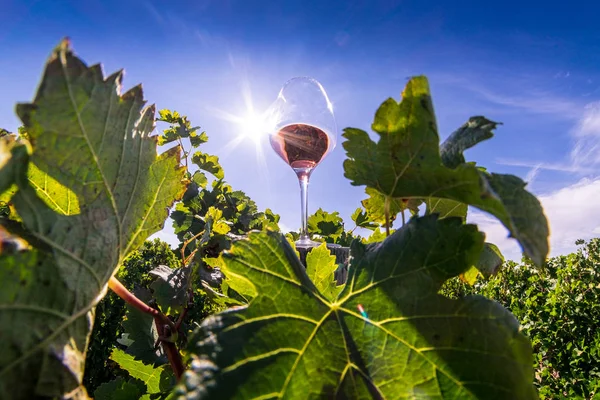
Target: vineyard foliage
(82, 187)
(559, 310)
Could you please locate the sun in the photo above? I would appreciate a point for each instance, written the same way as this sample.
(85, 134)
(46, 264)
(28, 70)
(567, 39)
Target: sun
(254, 126)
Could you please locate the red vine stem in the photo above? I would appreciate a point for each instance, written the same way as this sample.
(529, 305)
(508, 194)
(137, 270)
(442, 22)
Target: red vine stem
(170, 349)
(160, 320)
(133, 301)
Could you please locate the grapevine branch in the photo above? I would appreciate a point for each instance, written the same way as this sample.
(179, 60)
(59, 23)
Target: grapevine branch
(162, 322)
(387, 216)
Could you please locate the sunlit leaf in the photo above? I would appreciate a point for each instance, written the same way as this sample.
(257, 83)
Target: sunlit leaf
(387, 335)
(406, 163)
(320, 266)
(96, 143)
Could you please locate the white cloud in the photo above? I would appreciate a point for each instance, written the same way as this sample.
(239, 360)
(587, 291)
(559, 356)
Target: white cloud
(573, 213)
(586, 150)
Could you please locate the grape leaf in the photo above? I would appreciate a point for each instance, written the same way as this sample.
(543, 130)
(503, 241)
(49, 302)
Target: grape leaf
(180, 128)
(387, 335)
(140, 336)
(378, 235)
(361, 219)
(376, 203)
(171, 288)
(208, 163)
(326, 224)
(475, 130)
(446, 208)
(117, 389)
(406, 163)
(156, 379)
(95, 142)
(320, 268)
(490, 260)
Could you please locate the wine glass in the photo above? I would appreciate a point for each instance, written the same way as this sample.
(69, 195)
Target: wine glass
(304, 133)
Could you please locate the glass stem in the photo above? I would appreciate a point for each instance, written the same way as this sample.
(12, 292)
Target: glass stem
(303, 180)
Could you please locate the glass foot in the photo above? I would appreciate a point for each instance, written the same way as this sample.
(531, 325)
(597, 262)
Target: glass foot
(305, 243)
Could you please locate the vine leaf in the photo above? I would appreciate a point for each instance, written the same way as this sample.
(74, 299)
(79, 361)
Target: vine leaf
(171, 288)
(378, 235)
(475, 130)
(117, 389)
(156, 379)
(375, 206)
(208, 163)
(406, 163)
(320, 267)
(180, 128)
(361, 219)
(96, 143)
(140, 336)
(325, 224)
(446, 208)
(490, 260)
(387, 335)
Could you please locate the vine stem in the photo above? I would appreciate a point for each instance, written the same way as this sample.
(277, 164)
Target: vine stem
(160, 320)
(387, 216)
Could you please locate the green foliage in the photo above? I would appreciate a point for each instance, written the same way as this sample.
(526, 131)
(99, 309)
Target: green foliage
(383, 210)
(560, 313)
(208, 163)
(361, 219)
(320, 268)
(134, 274)
(156, 380)
(329, 226)
(171, 288)
(291, 330)
(119, 389)
(95, 189)
(180, 127)
(123, 188)
(406, 163)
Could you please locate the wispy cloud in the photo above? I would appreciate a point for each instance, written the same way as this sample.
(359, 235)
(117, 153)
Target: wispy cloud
(560, 167)
(584, 157)
(535, 101)
(586, 151)
(531, 175)
(518, 94)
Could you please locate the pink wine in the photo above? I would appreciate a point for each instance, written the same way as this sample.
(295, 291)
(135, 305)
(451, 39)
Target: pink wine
(302, 146)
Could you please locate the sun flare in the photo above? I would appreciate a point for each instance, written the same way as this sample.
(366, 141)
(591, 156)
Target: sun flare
(254, 126)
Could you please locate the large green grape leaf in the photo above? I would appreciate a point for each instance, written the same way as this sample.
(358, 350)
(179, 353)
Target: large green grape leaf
(387, 335)
(490, 259)
(96, 143)
(406, 163)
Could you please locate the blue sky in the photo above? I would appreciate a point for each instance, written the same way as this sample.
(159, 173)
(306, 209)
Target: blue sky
(534, 67)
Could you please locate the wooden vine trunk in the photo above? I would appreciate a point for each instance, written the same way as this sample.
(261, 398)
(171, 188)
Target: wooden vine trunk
(341, 254)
